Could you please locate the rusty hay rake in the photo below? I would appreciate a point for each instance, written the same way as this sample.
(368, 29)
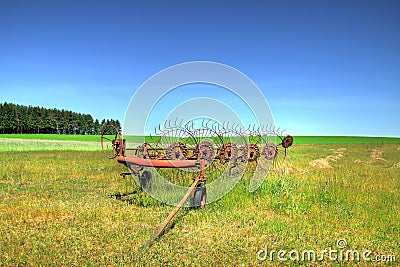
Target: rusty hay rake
(199, 149)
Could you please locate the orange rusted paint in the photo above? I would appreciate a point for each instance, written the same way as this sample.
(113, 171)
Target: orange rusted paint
(157, 163)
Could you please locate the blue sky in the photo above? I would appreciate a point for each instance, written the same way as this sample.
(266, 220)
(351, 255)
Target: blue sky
(325, 67)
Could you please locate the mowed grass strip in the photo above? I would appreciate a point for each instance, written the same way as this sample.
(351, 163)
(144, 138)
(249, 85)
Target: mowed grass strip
(69, 137)
(60, 208)
(12, 144)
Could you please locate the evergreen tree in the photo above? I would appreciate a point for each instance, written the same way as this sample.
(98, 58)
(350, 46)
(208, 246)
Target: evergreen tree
(27, 119)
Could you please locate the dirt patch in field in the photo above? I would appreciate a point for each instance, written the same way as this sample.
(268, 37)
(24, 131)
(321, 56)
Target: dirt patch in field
(396, 165)
(320, 164)
(376, 155)
(324, 163)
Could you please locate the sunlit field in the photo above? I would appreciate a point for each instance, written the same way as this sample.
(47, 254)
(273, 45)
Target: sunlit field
(65, 204)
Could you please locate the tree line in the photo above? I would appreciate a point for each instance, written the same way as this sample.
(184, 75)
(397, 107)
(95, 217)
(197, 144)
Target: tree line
(27, 119)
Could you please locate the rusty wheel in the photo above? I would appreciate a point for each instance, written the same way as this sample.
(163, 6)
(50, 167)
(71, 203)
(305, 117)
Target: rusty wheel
(205, 151)
(110, 142)
(287, 141)
(227, 152)
(176, 151)
(270, 151)
(252, 152)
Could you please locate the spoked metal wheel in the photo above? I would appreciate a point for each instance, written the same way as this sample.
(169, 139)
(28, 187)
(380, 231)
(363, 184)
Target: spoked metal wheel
(275, 153)
(111, 142)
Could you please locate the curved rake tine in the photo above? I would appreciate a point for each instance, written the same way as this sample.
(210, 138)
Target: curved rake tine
(234, 127)
(219, 128)
(271, 131)
(208, 123)
(214, 126)
(187, 126)
(204, 123)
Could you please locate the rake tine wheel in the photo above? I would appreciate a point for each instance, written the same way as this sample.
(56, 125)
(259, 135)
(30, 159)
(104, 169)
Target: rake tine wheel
(115, 142)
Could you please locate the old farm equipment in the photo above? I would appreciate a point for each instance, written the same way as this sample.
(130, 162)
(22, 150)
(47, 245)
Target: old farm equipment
(202, 148)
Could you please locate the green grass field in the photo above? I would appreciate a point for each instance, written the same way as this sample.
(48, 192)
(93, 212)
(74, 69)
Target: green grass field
(58, 207)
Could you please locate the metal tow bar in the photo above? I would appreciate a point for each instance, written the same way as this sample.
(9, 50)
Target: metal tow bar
(177, 208)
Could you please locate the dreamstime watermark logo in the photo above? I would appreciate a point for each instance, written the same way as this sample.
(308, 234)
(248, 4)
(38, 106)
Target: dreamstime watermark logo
(340, 253)
(188, 94)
